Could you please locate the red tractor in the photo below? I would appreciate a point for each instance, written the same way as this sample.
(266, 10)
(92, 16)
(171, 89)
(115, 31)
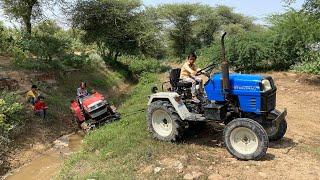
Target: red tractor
(92, 111)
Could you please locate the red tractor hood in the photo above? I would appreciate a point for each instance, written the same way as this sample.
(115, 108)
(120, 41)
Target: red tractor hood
(92, 99)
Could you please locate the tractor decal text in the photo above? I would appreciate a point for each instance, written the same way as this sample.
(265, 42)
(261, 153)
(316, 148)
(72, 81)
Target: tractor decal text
(251, 88)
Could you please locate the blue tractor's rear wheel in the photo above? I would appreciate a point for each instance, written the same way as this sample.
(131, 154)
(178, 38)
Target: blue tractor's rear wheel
(164, 122)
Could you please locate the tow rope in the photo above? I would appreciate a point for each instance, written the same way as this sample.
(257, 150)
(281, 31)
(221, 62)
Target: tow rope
(134, 112)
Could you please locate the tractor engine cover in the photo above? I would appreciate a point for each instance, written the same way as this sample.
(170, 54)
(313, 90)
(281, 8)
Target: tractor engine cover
(215, 112)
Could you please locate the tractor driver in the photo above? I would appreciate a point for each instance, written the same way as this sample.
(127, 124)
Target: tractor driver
(82, 91)
(189, 74)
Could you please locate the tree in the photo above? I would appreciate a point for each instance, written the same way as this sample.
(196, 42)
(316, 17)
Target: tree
(22, 10)
(115, 26)
(25, 11)
(190, 27)
(5, 38)
(179, 19)
(312, 7)
(207, 25)
(151, 41)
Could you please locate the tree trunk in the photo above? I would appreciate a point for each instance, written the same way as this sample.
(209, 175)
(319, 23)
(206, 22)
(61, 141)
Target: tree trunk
(27, 24)
(116, 56)
(27, 18)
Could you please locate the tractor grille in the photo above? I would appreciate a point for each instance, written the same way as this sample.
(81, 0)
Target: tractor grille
(268, 101)
(253, 103)
(96, 112)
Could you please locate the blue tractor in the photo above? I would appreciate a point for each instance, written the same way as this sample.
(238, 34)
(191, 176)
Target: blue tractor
(244, 103)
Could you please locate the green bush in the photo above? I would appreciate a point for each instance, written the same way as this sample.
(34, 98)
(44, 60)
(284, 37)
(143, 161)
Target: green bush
(292, 32)
(19, 56)
(76, 61)
(49, 41)
(10, 112)
(310, 65)
(139, 65)
(245, 51)
(47, 45)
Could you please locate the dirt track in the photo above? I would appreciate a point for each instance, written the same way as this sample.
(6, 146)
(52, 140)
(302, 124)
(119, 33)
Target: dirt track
(296, 156)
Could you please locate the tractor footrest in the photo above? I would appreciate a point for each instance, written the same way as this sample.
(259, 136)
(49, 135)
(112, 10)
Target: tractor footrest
(196, 117)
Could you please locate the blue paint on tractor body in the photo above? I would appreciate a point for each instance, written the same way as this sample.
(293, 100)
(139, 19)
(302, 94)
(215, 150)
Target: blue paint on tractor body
(244, 86)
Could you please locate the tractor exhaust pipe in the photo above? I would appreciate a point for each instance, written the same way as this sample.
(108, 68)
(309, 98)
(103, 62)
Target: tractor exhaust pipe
(224, 67)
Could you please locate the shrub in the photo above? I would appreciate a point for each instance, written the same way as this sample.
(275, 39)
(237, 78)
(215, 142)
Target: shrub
(76, 61)
(292, 31)
(311, 63)
(139, 65)
(246, 51)
(49, 41)
(10, 112)
(19, 57)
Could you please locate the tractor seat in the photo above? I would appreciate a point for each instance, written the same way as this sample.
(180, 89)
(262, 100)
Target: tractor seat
(175, 80)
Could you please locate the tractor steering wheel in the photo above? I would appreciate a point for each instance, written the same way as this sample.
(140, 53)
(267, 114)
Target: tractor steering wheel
(206, 70)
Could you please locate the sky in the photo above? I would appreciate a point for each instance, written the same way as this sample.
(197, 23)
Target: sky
(257, 9)
(254, 8)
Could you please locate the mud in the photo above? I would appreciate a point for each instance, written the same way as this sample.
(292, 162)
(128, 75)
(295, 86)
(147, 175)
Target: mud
(47, 165)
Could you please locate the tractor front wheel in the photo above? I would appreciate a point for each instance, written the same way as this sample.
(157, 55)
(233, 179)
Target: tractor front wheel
(246, 139)
(164, 122)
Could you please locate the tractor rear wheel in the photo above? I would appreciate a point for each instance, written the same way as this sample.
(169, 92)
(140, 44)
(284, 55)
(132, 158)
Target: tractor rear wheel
(164, 122)
(276, 133)
(246, 139)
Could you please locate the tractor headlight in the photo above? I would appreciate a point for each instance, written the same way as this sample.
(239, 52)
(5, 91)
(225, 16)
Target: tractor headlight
(266, 85)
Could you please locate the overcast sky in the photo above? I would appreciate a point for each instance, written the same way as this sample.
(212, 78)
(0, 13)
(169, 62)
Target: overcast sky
(253, 8)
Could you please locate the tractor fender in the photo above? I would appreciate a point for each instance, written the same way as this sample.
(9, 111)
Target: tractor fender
(175, 100)
(76, 110)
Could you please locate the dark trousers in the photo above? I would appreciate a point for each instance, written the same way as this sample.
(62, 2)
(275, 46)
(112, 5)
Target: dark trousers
(42, 113)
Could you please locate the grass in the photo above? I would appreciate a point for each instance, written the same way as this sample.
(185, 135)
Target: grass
(113, 151)
(59, 99)
(123, 149)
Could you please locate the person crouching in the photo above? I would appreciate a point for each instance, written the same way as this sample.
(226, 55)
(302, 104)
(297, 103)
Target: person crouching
(40, 107)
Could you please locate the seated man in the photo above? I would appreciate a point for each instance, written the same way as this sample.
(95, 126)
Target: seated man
(40, 107)
(82, 92)
(32, 95)
(189, 74)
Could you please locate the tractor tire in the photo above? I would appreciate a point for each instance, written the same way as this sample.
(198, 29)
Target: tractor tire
(276, 133)
(164, 122)
(246, 139)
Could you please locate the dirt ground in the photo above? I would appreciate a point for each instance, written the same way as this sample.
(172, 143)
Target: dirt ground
(296, 156)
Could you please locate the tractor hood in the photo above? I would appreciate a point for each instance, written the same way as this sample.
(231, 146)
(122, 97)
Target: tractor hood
(92, 99)
(239, 84)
